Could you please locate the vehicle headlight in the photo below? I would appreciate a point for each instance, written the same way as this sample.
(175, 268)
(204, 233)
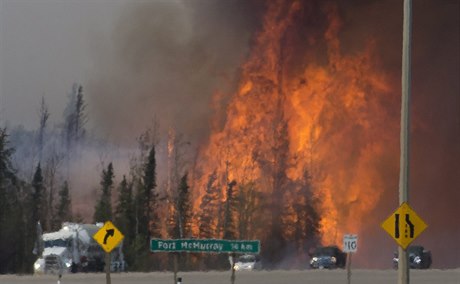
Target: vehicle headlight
(417, 260)
(68, 263)
(333, 259)
(37, 265)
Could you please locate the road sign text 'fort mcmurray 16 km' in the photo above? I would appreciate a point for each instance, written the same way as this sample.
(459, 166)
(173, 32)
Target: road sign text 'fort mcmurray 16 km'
(205, 245)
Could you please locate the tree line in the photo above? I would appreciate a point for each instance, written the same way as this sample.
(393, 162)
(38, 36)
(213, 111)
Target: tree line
(142, 204)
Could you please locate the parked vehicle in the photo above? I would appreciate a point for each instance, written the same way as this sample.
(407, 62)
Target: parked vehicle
(248, 262)
(418, 257)
(73, 249)
(328, 257)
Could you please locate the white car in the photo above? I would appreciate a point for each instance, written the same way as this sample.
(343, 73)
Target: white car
(248, 262)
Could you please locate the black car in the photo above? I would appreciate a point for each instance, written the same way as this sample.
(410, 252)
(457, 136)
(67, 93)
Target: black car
(418, 257)
(328, 257)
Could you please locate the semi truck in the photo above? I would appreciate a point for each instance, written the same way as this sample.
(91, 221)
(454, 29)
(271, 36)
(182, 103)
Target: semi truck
(72, 249)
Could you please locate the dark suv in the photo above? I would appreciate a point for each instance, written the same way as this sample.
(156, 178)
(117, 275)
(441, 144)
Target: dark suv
(418, 256)
(328, 257)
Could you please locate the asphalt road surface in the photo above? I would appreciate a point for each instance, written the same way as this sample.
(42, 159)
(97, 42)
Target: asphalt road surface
(432, 276)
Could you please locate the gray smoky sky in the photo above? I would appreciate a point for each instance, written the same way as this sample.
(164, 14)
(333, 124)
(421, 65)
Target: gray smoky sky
(45, 46)
(137, 60)
(165, 60)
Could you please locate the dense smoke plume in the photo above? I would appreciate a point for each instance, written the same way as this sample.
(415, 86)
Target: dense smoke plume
(168, 58)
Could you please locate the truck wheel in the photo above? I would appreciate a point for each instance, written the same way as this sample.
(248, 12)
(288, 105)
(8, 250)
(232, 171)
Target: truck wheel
(73, 268)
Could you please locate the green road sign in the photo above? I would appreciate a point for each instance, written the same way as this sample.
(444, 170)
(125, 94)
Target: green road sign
(205, 245)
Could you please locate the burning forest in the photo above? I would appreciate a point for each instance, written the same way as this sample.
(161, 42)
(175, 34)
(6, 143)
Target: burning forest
(303, 138)
(272, 120)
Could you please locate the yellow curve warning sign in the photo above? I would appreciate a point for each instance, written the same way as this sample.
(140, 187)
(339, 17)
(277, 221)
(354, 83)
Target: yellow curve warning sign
(108, 236)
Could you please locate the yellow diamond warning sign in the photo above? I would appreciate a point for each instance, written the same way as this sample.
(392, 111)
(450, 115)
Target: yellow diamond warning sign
(108, 236)
(404, 225)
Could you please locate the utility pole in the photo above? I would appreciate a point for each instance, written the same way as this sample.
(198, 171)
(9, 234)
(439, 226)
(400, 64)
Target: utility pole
(403, 268)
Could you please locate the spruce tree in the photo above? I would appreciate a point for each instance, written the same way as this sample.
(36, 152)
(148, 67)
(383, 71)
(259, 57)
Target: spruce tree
(148, 199)
(307, 231)
(7, 250)
(64, 206)
(184, 209)
(230, 212)
(44, 115)
(75, 117)
(209, 208)
(103, 210)
(124, 211)
(6, 170)
(125, 220)
(16, 224)
(39, 198)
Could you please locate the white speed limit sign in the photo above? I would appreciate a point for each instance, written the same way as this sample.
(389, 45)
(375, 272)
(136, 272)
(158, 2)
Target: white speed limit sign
(350, 243)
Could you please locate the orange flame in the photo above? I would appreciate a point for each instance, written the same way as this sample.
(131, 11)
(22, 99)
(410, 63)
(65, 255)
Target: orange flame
(331, 109)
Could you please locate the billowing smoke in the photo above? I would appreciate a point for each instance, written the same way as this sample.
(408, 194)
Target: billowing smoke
(166, 60)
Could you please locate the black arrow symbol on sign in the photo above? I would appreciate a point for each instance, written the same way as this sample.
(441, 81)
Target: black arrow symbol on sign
(108, 233)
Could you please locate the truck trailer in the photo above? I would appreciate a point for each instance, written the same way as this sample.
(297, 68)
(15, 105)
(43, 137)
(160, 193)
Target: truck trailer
(73, 249)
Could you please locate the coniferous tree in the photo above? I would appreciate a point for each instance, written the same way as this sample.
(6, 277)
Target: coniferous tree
(147, 221)
(184, 209)
(16, 239)
(183, 226)
(64, 206)
(26, 233)
(39, 198)
(124, 211)
(249, 198)
(75, 117)
(308, 227)
(80, 116)
(50, 171)
(148, 199)
(103, 210)
(230, 212)
(44, 115)
(208, 208)
(279, 188)
(6, 201)
(73, 129)
(125, 219)
(6, 169)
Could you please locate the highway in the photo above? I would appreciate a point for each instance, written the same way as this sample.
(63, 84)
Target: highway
(359, 276)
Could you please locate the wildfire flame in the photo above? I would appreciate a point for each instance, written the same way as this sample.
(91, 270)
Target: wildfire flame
(304, 107)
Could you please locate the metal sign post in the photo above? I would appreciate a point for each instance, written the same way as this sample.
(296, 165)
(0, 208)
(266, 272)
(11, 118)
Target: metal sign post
(350, 246)
(108, 237)
(107, 268)
(232, 278)
(349, 268)
(175, 267)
